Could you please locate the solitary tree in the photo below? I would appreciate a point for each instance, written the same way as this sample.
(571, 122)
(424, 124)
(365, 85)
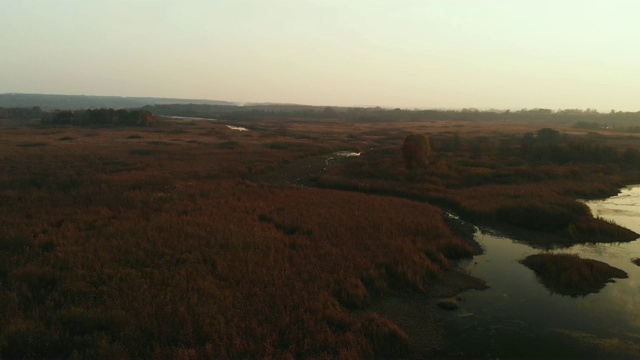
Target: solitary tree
(548, 136)
(415, 150)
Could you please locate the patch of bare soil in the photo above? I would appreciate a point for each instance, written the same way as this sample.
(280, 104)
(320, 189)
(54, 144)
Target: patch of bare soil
(412, 313)
(453, 283)
(416, 313)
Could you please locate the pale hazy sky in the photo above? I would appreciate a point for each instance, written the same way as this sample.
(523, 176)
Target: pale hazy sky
(403, 53)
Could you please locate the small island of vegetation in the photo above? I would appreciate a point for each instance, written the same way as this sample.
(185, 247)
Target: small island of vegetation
(568, 274)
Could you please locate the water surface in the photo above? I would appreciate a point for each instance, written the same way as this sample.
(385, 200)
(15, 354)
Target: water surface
(238, 128)
(518, 316)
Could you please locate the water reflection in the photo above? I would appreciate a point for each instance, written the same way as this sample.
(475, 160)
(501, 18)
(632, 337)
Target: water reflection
(517, 309)
(623, 208)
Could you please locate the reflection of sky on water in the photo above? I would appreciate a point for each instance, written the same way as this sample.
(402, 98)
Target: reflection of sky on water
(239, 128)
(515, 295)
(623, 208)
(623, 297)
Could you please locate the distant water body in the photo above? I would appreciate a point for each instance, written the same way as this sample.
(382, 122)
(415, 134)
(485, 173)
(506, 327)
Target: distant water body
(238, 128)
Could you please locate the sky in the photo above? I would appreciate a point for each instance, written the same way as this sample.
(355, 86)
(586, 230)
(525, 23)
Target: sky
(500, 54)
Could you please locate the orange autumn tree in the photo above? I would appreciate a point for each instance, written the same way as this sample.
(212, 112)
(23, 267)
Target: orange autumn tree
(415, 150)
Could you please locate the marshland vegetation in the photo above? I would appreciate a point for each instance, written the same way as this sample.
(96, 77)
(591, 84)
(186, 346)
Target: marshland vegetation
(568, 274)
(174, 240)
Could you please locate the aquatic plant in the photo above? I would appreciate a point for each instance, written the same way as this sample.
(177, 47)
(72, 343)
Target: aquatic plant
(448, 304)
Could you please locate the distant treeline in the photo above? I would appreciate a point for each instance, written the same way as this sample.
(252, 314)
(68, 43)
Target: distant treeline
(120, 117)
(549, 145)
(20, 113)
(78, 102)
(230, 112)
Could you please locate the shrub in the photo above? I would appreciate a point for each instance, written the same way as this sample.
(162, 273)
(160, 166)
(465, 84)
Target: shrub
(416, 150)
(536, 216)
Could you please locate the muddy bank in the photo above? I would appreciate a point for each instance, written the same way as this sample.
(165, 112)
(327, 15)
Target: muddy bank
(462, 229)
(418, 315)
(453, 283)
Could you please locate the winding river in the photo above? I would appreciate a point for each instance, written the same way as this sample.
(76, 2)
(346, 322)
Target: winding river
(517, 316)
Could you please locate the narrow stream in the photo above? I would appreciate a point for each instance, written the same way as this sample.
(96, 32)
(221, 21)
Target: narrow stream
(518, 316)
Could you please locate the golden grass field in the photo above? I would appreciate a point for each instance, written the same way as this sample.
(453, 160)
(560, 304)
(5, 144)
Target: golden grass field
(170, 241)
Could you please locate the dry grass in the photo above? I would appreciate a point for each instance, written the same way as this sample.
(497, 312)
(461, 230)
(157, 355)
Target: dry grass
(113, 246)
(487, 177)
(157, 242)
(568, 274)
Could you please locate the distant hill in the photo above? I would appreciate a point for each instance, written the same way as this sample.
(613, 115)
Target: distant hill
(71, 102)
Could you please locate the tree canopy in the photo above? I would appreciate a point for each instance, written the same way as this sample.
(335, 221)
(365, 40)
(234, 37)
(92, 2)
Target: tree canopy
(120, 117)
(415, 150)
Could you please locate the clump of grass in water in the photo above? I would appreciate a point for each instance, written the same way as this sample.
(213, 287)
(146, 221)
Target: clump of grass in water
(568, 274)
(449, 304)
(636, 261)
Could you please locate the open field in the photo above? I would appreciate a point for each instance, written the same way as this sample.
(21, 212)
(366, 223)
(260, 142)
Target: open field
(174, 240)
(152, 242)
